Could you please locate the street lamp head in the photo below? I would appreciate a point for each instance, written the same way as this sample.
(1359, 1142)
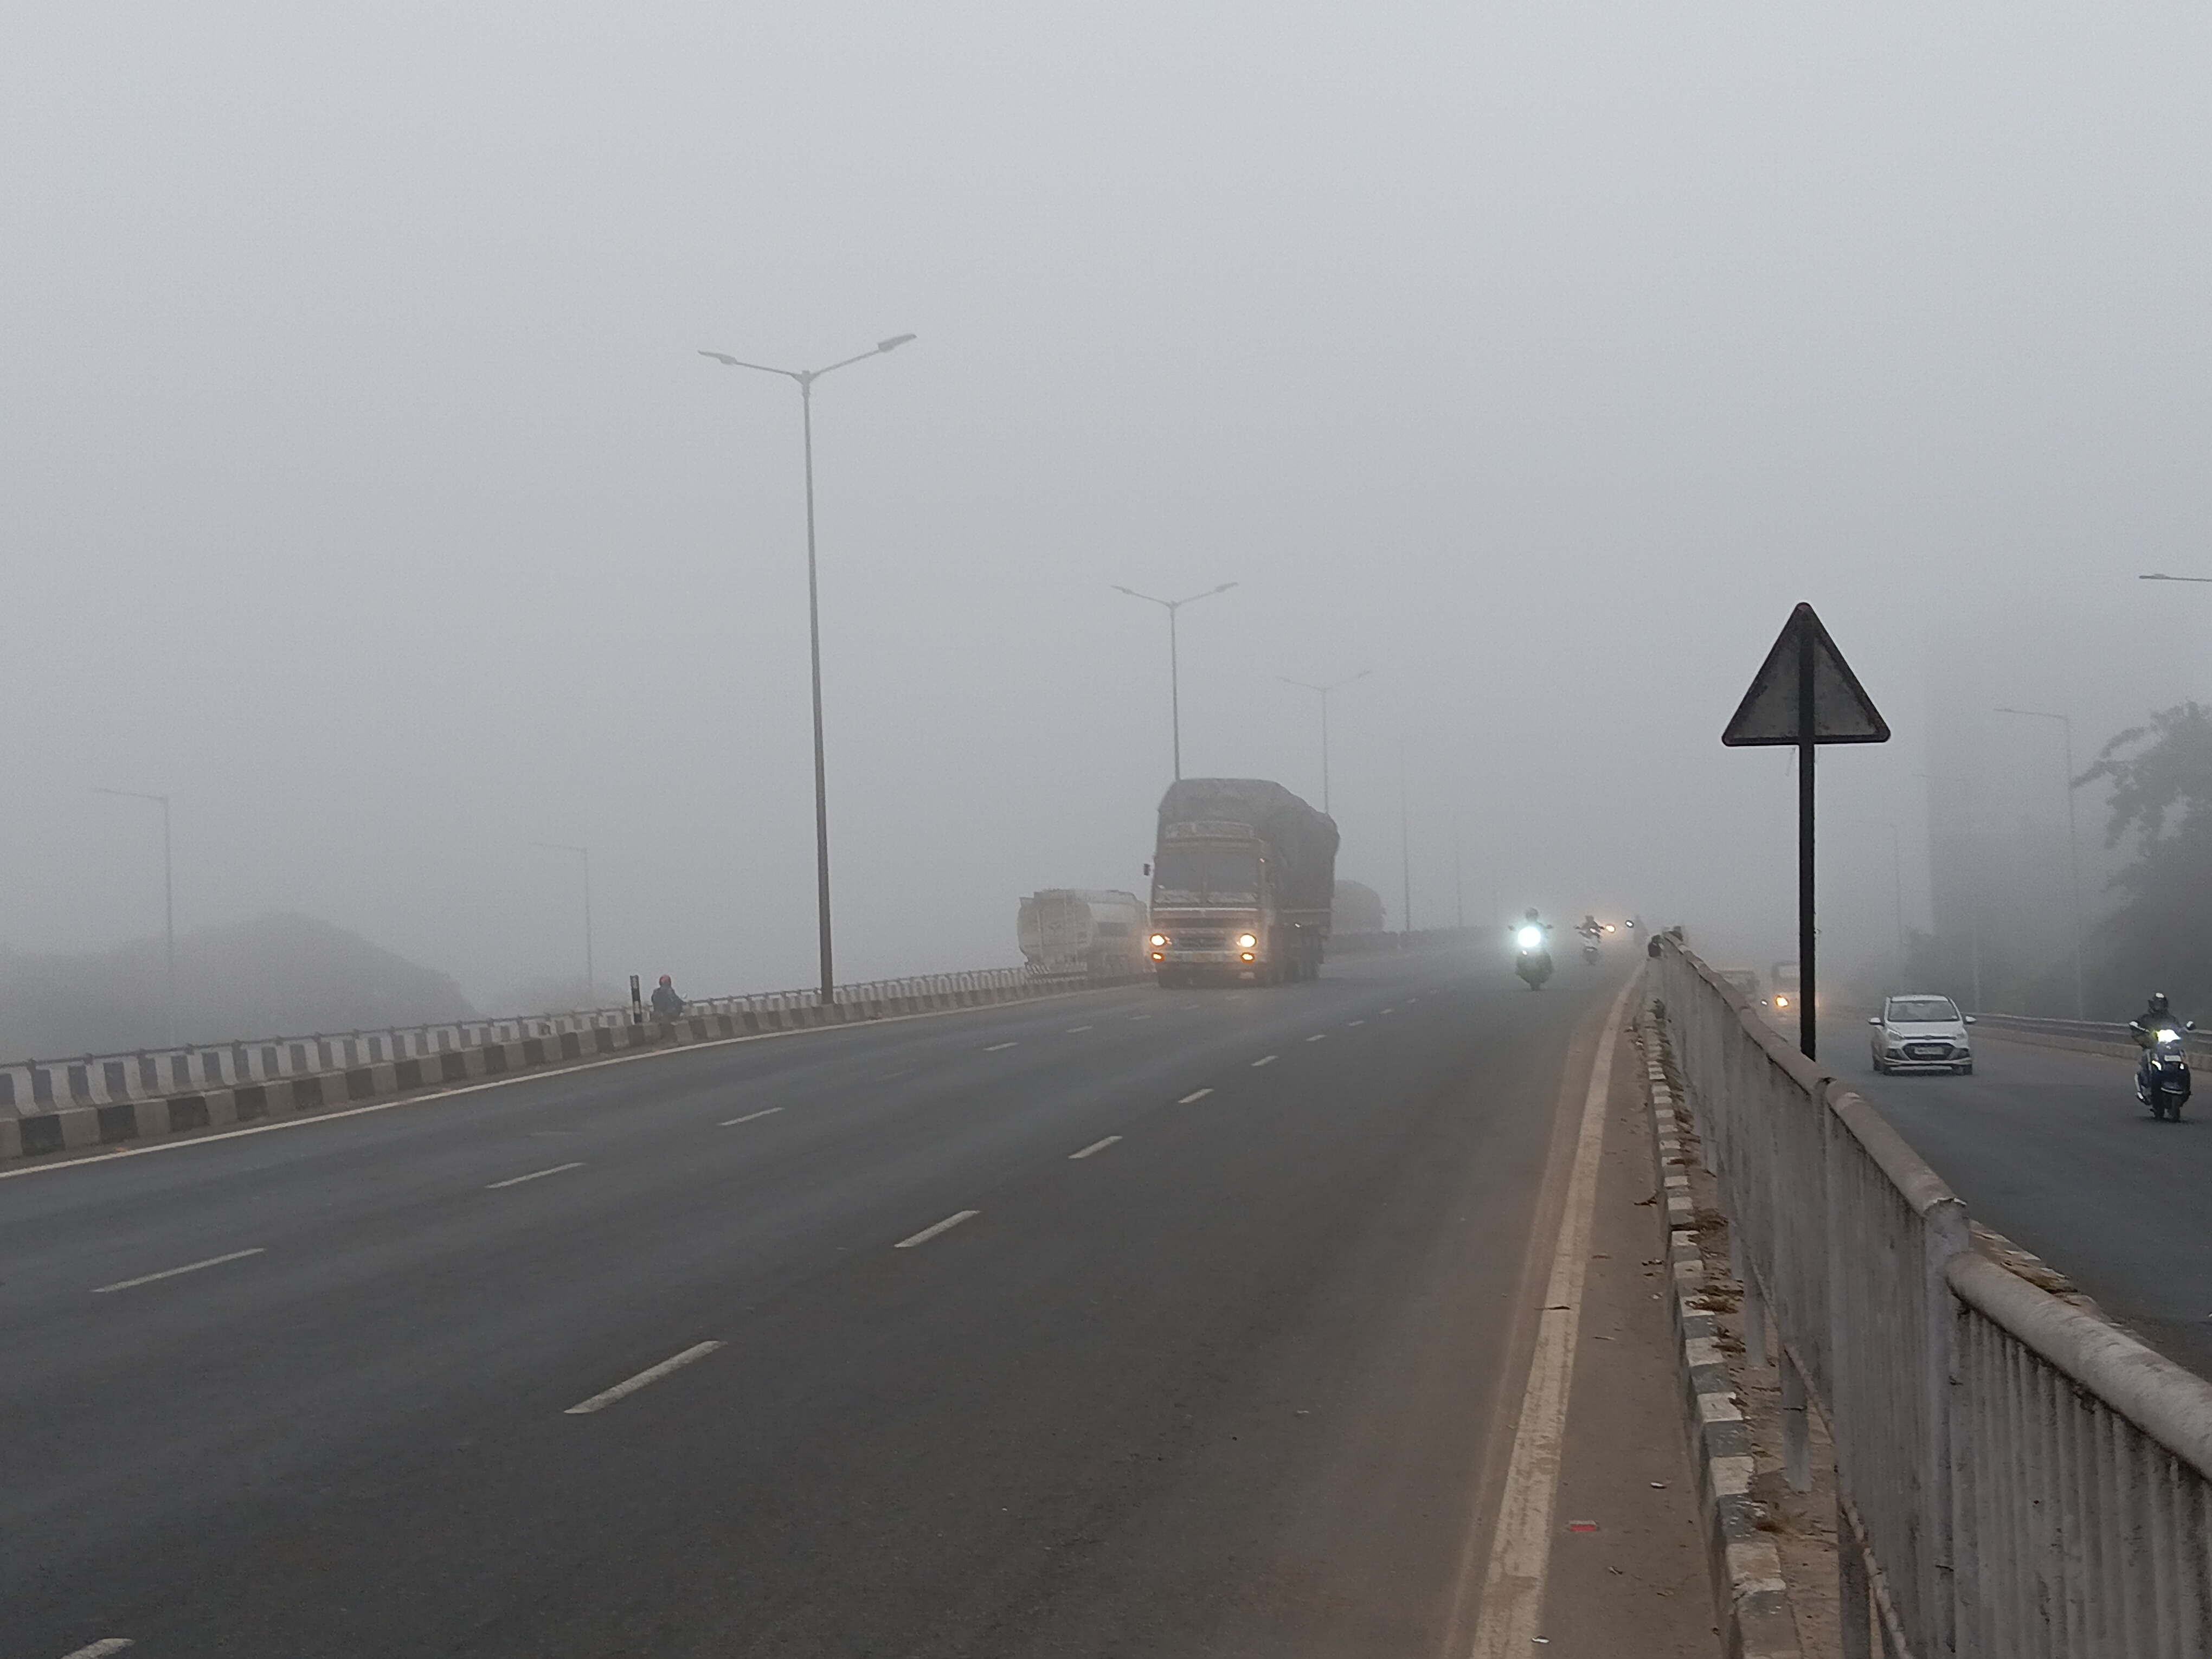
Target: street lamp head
(721, 357)
(894, 343)
(1223, 588)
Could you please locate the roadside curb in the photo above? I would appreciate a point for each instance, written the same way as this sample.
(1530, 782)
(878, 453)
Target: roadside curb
(67, 1134)
(1759, 1621)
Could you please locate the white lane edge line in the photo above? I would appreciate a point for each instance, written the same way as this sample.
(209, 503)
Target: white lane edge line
(928, 1233)
(1521, 1556)
(766, 1111)
(535, 1175)
(1095, 1146)
(995, 1047)
(100, 1649)
(1196, 1094)
(1269, 1061)
(171, 1272)
(622, 1390)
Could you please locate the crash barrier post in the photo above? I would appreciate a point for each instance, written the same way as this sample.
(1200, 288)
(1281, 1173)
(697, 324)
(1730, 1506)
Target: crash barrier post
(2017, 1477)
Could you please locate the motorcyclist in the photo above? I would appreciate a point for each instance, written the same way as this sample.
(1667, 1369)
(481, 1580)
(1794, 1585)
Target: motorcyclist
(1592, 927)
(666, 1005)
(2157, 1016)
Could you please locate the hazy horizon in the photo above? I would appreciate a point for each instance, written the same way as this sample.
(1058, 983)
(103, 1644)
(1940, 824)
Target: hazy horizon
(366, 492)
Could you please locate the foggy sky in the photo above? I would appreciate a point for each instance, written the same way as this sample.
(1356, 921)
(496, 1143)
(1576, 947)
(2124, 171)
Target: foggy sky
(362, 489)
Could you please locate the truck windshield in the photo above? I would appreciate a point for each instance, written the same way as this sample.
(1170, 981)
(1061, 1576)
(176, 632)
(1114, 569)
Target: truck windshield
(1207, 875)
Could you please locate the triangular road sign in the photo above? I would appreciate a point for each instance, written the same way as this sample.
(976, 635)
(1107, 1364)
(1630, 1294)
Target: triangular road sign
(1805, 657)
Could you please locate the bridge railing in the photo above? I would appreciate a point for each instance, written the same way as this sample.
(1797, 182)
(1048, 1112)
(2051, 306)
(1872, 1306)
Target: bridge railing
(106, 1080)
(2018, 1477)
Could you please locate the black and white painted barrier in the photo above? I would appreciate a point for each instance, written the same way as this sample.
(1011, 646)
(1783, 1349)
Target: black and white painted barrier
(115, 1099)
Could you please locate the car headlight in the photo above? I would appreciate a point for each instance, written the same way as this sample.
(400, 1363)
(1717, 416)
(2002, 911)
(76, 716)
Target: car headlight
(1246, 942)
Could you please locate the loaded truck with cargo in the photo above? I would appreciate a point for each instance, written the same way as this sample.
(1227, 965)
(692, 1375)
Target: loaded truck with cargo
(1076, 931)
(1243, 873)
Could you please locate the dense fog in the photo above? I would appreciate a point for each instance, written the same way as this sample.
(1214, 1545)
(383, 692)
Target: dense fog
(365, 494)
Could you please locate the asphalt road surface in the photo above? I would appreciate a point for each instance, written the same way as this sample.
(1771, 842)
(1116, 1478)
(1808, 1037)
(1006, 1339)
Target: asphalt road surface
(1131, 1323)
(2051, 1149)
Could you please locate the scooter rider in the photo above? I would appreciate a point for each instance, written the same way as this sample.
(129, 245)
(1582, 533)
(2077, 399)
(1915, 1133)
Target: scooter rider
(2157, 1016)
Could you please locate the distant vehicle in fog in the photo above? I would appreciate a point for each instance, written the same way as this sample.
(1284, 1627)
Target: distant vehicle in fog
(1098, 934)
(1243, 877)
(1356, 909)
(1785, 981)
(1922, 1032)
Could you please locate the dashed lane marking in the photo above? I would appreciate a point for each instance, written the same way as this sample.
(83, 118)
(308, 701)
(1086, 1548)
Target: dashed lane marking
(599, 1402)
(1140, 1017)
(1269, 1061)
(101, 1649)
(1072, 1030)
(993, 1047)
(1318, 1036)
(1355, 1022)
(535, 1175)
(944, 1226)
(171, 1272)
(1095, 1146)
(765, 1111)
(1196, 1094)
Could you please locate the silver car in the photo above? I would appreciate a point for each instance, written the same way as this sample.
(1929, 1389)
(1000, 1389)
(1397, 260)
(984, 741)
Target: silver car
(1922, 1032)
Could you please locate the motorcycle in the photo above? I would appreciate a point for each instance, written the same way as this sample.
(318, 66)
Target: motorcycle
(2162, 1079)
(1534, 964)
(1589, 948)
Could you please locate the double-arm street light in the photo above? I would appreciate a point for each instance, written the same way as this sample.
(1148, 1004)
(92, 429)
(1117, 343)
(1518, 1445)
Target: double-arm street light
(2073, 842)
(1175, 668)
(1333, 685)
(807, 378)
(590, 980)
(168, 895)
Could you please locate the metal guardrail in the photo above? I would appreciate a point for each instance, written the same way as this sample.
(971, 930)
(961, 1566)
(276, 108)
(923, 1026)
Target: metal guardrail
(153, 1074)
(2018, 1477)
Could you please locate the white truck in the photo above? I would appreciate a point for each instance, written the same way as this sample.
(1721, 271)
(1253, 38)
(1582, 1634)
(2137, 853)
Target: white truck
(1080, 933)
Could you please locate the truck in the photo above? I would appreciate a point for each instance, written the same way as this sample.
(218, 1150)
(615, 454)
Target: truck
(1243, 875)
(1080, 932)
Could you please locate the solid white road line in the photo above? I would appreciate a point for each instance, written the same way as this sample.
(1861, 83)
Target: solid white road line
(1196, 1094)
(171, 1272)
(1318, 1036)
(101, 1649)
(766, 1111)
(622, 1390)
(994, 1047)
(928, 1233)
(1095, 1146)
(1521, 1552)
(1072, 1030)
(535, 1175)
(1269, 1061)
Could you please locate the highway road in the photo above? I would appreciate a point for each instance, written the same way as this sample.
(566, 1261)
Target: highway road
(1136, 1322)
(2049, 1148)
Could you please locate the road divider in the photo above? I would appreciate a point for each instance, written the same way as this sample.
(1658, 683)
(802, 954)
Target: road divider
(118, 1104)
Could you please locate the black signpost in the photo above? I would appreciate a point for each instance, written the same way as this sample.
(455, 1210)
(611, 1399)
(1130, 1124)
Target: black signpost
(1805, 695)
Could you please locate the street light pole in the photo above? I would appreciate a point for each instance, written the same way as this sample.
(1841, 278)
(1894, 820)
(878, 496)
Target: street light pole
(591, 979)
(807, 378)
(1307, 685)
(1174, 658)
(2073, 840)
(168, 897)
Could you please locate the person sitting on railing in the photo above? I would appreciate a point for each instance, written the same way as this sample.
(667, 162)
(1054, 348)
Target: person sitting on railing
(666, 1005)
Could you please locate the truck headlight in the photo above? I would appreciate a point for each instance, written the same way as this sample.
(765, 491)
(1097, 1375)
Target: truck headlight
(1246, 942)
(1160, 939)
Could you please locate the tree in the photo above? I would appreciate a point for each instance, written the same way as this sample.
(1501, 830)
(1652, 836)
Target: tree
(2161, 936)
